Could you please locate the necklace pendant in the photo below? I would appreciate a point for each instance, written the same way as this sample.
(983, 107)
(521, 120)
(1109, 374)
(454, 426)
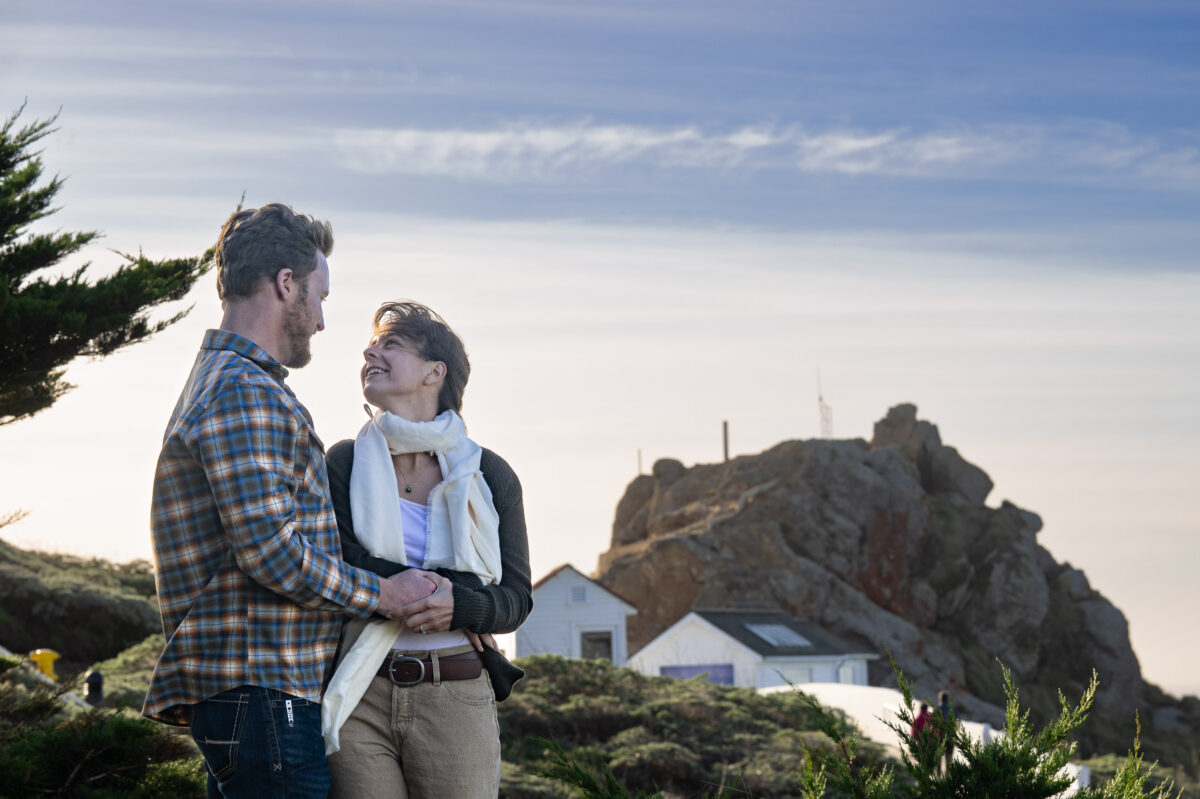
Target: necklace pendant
(408, 489)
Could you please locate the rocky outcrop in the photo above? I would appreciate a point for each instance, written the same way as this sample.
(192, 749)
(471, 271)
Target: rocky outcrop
(888, 542)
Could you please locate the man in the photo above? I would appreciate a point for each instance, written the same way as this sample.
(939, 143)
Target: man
(946, 713)
(251, 584)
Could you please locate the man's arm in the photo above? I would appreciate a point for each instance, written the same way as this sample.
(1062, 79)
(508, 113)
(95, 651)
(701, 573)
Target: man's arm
(247, 444)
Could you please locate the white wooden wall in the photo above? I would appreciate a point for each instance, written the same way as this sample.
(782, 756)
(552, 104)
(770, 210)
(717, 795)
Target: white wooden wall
(558, 619)
(694, 642)
(831, 668)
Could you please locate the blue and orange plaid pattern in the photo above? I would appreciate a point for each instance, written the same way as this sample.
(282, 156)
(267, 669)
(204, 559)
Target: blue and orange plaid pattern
(251, 583)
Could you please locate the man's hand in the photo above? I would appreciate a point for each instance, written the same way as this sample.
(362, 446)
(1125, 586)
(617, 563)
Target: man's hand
(431, 613)
(405, 588)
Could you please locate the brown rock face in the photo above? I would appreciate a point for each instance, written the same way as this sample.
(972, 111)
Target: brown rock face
(889, 543)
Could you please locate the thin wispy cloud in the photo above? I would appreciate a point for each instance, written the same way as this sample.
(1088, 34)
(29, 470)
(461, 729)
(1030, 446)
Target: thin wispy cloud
(524, 152)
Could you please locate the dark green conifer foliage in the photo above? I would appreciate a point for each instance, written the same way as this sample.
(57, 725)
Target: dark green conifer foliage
(45, 323)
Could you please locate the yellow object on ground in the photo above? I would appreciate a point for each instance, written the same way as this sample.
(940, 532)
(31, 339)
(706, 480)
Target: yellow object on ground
(44, 658)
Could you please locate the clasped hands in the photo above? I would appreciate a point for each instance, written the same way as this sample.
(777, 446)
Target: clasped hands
(424, 601)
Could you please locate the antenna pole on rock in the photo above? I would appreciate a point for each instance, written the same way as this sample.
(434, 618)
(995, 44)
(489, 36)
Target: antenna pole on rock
(825, 411)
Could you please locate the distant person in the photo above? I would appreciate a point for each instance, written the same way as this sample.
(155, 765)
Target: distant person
(924, 732)
(93, 688)
(410, 711)
(946, 712)
(251, 583)
(922, 726)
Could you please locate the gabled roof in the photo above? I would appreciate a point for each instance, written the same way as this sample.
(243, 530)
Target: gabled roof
(558, 570)
(738, 624)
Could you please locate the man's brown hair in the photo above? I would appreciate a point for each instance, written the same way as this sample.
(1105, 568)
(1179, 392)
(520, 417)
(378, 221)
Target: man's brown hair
(256, 243)
(434, 340)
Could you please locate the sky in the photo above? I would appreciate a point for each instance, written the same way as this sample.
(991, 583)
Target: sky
(646, 219)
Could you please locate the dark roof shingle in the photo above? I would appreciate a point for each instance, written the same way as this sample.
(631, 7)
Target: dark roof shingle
(735, 624)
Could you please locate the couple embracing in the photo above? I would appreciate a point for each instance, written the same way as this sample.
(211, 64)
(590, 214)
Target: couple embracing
(338, 603)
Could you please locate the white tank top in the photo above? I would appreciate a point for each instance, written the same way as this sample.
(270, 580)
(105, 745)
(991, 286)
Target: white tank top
(414, 521)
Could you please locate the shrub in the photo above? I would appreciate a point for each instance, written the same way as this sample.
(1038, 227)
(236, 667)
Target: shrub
(653, 733)
(50, 748)
(98, 754)
(1024, 763)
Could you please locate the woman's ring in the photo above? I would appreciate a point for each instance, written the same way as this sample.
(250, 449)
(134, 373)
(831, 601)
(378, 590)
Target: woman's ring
(421, 627)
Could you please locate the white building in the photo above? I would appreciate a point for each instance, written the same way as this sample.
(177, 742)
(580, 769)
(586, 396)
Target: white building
(574, 616)
(753, 649)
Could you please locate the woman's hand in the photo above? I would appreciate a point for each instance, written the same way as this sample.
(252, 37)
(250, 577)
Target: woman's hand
(486, 638)
(430, 614)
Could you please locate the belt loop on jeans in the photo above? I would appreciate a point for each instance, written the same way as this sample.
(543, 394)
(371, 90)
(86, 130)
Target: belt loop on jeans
(437, 669)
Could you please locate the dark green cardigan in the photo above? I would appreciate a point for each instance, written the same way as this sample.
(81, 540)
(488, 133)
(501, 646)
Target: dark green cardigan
(477, 607)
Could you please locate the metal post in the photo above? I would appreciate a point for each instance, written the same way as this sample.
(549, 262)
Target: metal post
(725, 438)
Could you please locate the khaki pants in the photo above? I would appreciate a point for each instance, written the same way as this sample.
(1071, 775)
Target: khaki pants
(420, 742)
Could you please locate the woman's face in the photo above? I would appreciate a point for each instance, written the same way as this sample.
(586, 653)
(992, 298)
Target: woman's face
(393, 370)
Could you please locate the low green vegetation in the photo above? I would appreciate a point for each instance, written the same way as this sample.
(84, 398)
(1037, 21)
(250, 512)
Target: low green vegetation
(1106, 767)
(576, 728)
(1023, 763)
(582, 716)
(49, 747)
(654, 733)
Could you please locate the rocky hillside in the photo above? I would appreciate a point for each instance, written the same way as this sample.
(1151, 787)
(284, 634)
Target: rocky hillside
(891, 543)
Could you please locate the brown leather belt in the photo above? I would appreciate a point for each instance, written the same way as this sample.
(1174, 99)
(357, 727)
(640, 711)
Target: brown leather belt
(405, 670)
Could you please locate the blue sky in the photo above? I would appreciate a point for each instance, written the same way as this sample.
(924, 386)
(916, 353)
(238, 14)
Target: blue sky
(804, 115)
(645, 218)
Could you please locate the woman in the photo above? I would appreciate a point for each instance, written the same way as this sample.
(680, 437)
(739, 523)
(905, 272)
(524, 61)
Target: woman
(410, 711)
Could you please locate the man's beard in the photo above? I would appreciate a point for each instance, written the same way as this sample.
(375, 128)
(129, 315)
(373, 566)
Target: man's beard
(299, 329)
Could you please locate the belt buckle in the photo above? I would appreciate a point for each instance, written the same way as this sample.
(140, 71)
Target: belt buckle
(405, 683)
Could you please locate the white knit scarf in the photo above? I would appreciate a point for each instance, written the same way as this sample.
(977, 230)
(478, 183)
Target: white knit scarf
(462, 533)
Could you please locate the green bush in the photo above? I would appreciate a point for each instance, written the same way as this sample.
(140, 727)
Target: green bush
(51, 748)
(1023, 763)
(652, 733)
(96, 755)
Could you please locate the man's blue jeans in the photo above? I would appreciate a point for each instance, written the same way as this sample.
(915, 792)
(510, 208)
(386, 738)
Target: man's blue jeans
(261, 743)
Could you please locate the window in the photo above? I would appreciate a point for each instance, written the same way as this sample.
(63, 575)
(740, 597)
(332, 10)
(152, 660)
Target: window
(778, 635)
(720, 673)
(578, 594)
(596, 645)
(846, 674)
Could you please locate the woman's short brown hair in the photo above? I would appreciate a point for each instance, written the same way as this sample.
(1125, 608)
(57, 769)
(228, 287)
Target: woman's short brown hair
(435, 341)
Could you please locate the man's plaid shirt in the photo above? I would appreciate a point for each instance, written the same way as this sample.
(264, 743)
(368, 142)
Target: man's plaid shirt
(251, 583)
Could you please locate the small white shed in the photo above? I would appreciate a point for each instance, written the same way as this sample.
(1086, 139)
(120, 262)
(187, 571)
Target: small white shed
(752, 649)
(574, 616)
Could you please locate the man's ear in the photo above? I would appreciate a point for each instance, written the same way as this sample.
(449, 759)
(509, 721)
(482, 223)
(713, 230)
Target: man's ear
(285, 283)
